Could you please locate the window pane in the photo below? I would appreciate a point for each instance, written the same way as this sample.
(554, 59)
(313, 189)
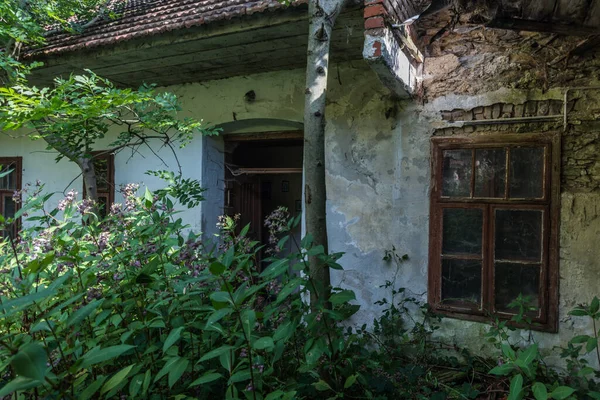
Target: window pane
(513, 279)
(456, 178)
(490, 172)
(101, 168)
(8, 182)
(8, 210)
(462, 229)
(518, 235)
(526, 172)
(461, 281)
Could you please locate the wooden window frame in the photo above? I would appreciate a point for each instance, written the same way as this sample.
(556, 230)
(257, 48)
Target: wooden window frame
(18, 161)
(547, 319)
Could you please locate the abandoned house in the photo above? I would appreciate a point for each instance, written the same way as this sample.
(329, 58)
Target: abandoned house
(467, 138)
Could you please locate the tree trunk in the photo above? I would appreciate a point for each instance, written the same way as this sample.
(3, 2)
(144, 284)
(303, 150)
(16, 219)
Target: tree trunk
(86, 164)
(322, 16)
(89, 177)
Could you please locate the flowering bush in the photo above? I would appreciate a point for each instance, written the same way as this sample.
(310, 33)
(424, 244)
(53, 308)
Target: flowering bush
(127, 306)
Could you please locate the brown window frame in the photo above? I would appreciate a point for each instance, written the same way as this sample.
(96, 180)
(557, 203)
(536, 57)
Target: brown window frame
(110, 195)
(547, 319)
(18, 161)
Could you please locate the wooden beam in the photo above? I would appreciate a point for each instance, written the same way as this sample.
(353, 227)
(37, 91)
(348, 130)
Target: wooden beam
(537, 26)
(277, 135)
(265, 171)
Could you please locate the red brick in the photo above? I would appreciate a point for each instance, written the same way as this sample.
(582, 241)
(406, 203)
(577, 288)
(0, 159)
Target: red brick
(376, 22)
(377, 48)
(373, 11)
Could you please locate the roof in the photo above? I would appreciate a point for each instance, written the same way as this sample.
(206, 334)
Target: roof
(139, 18)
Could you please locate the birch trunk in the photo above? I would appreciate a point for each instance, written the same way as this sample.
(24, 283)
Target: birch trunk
(322, 16)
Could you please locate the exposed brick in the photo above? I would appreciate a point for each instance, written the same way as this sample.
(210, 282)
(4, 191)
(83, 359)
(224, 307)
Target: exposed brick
(447, 115)
(375, 22)
(556, 107)
(469, 129)
(373, 11)
(530, 108)
(487, 112)
(467, 115)
(496, 110)
(478, 113)
(457, 115)
(519, 109)
(543, 107)
(507, 110)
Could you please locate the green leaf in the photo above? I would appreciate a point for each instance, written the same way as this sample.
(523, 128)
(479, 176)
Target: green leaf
(166, 368)
(116, 379)
(19, 383)
(219, 315)
(529, 354)
(539, 391)
(595, 306)
(562, 392)
(248, 321)
(173, 337)
(176, 370)
(228, 257)
(322, 386)
(206, 378)
(240, 376)
(264, 343)
(503, 369)
(580, 339)
(516, 388)
(508, 351)
(276, 268)
(221, 297)
(89, 391)
(30, 361)
(136, 385)
(591, 344)
(289, 289)
(349, 381)
(217, 268)
(578, 312)
(594, 395)
(216, 352)
(342, 297)
(97, 355)
(316, 251)
(81, 314)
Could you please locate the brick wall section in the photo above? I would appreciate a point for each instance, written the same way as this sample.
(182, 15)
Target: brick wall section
(580, 164)
(377, 12)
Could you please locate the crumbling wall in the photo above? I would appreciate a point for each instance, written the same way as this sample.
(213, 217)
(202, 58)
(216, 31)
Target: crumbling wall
(478, 74)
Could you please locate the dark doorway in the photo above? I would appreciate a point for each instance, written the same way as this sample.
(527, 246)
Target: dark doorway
(262, 173)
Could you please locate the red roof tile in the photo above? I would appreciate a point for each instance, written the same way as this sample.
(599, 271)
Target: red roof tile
(138, 18)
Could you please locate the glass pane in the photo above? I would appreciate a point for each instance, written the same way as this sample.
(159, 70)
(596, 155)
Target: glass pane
(8, 182)
(490, 172)
(461, 281)
(526, 172)
(102, 205)
(101, 168)
(462, 229)
(513, 279)
(518, 235)
(456, 178)
(9, 209)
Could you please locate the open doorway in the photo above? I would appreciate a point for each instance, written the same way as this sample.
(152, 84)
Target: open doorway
(263, 172)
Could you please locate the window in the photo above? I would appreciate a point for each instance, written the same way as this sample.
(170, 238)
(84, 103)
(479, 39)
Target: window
(8, 185)
(493, 227)
(105, 180)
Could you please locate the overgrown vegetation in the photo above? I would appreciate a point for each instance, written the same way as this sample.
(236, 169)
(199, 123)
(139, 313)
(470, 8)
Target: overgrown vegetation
(131, 307)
